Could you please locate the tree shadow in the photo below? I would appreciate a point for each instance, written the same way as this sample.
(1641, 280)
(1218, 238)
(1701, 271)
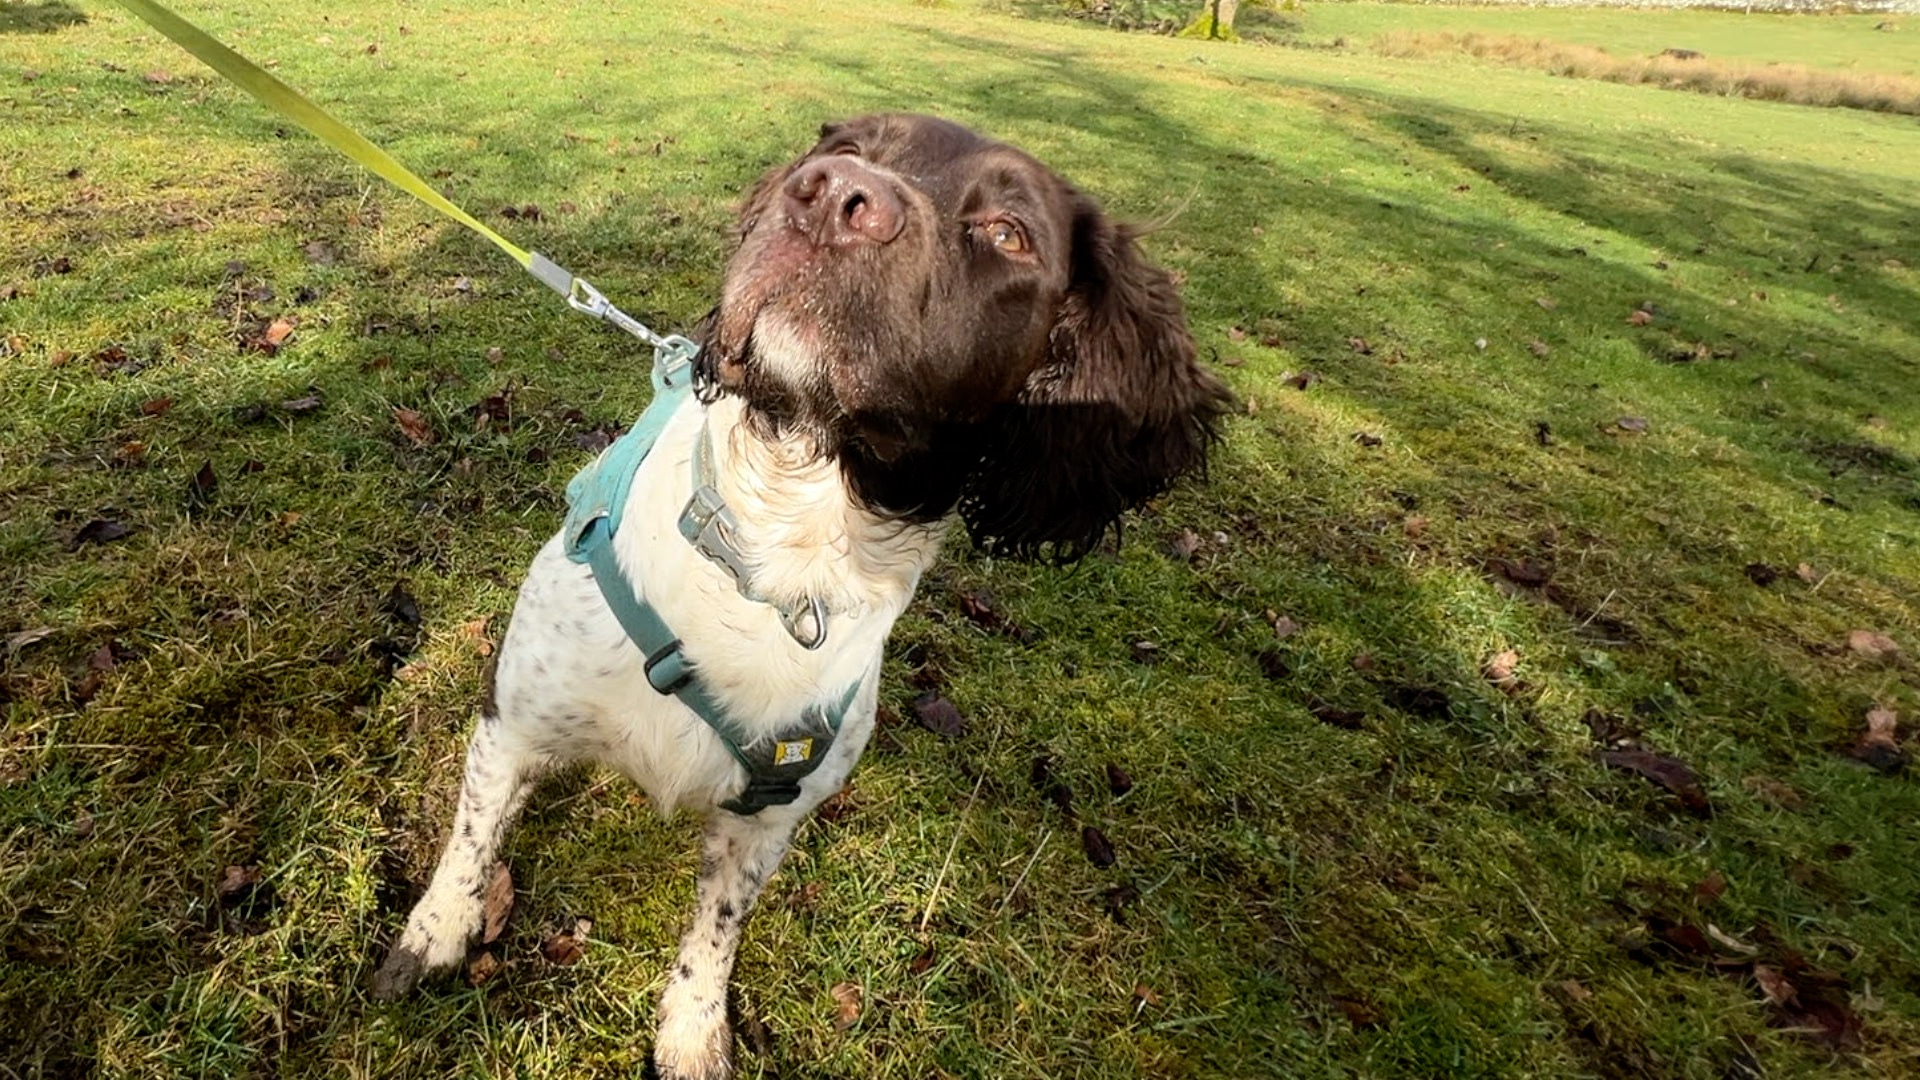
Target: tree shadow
(39, 17)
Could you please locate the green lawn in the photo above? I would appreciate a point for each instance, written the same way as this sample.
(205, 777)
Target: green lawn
(1346, 850)
(1838, 42)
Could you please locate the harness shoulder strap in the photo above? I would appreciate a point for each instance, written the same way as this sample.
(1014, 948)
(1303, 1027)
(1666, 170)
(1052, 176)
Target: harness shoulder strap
(596, 499)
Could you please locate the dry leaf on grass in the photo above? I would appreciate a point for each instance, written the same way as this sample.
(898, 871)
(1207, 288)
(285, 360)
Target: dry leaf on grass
(846, 1004)
(1872, 644)
(414, 426)
(476, 632)
(1669, 773)
(1098, 848)
(98, 531)
(482, 966)
(1499, 669)
(939, 716)
(1879, 745)
(497, 904)
(567, 946)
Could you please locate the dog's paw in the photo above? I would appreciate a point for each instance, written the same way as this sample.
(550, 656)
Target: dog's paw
(414, 957)
(399, 975)
(694, 1042)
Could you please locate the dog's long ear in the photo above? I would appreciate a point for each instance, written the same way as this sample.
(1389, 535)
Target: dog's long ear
(1118, 410)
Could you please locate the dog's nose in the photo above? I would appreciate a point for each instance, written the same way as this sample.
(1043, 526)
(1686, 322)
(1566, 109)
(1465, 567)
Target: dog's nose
(841, 200)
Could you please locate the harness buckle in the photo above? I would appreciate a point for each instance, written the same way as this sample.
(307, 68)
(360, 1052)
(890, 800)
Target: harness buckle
(708, 524)
(669, 651)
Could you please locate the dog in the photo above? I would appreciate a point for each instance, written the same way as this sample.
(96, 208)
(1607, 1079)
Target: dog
(917, 322)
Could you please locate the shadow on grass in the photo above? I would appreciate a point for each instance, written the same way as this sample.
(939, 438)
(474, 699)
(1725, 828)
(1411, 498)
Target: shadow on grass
(39, 17)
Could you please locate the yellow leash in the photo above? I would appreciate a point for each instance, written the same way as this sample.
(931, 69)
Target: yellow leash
(288, 102)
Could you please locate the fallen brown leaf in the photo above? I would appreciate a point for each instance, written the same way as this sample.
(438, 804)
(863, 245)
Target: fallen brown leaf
(1872, 644)
(1361, 1014)
(1711, 888)
(98, 531)
(497, 903)
(568, 945)
(481, 967)
(1143, 996)
(1347, 719)
(938, 715)
(414, 426)
(1879, 745)
(156, 406)
(1098, 848)
(1670, 774)
(1640, 317)
(846, 1004)
(278, 332)
(1774, 984)
(1119, 780)
(922, 963)
(1499, 669)
(476, 632)
(1773, 792)
(203, 486)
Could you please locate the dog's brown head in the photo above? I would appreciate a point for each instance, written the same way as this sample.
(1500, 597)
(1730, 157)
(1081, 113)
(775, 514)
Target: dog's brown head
(960, 328)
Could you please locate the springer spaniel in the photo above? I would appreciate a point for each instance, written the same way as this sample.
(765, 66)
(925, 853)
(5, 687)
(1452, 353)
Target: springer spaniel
(917, 322)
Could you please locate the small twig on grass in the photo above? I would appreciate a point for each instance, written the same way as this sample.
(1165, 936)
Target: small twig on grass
(934, 899)
(1017, 882)
(1534, 911)
(1603, 606)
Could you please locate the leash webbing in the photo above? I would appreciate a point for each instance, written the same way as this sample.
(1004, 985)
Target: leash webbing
(289, 103)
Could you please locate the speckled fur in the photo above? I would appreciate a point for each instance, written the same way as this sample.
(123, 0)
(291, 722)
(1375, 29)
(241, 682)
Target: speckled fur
(570, 687)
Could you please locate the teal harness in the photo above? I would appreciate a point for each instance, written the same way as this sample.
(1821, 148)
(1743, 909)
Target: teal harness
(596, 498)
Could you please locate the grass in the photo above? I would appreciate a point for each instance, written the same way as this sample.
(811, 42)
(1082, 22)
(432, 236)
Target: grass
(1836, 42)
(1346, 852)
(1795, 83)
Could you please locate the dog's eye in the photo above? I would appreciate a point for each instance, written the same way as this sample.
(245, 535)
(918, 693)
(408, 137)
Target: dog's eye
(1005, 235)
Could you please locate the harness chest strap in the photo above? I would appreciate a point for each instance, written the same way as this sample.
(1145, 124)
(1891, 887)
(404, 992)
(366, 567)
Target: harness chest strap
(596, 497)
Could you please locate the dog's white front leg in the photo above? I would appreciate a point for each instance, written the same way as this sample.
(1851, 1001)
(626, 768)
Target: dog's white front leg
(738, 855)
(498, 778)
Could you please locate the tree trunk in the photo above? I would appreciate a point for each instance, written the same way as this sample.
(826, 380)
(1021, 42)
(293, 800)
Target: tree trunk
(1223, 13)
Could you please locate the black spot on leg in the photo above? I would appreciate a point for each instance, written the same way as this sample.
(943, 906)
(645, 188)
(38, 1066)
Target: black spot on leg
(685, 972)
(709, 866)
(466, 830)
(725, 912)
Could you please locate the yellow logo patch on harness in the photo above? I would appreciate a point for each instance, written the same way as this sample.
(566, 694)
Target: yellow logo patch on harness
(792, 753)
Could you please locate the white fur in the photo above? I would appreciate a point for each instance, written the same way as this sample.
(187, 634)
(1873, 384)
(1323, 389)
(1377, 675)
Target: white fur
(570, 687)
